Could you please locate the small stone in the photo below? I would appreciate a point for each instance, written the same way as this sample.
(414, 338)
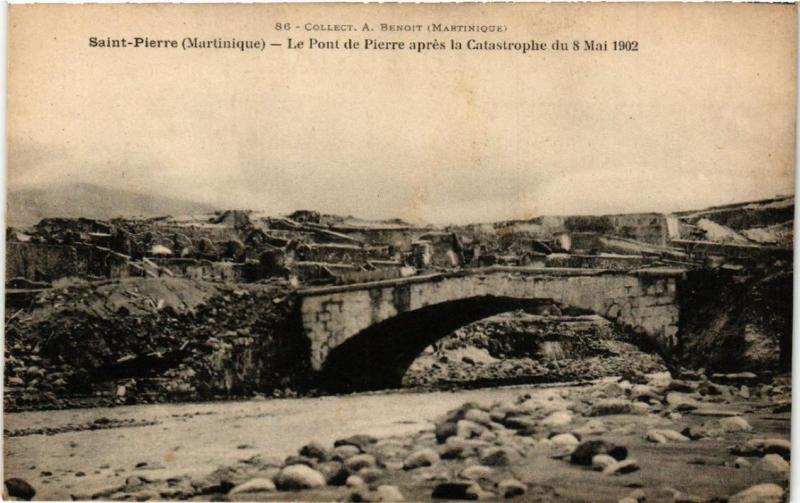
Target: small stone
(498, 415)
(638, 495)
(715, 412)
(300, 460)
(523, 423)
(564, 439)
(355, 481)
(361, 494)
(774, 463)
(735, 377)
(734, 424)
(659, 380)
(681, 402)
(741, 463)
(478, 416)
(343, 452)
(584, 452)
(497, 456)
(468, 429)
(610, 406)
(420, 458)
(19, 488)
(132, 483)
(558, 418)
(761, 493)
(643, 392)
(477, 492)
(681, 497)
(445, 430)
(456, 491)
(706, 460)
(602, 461)
(256, 485)
(622, 467)
(360, 441)
(680, 385)
(370, 475)
(711, 389)
(694, 434)
(592, 427)
(334, 472)
(475, 472)
(359, 461)
(778, 446)
(145, 495)
(509, 488)
(640, 408)
(296, 477)
(785, 406)
(611, 389)
(753, 447)
(315, 450)
(664, 436)
(432, 473)
(389, 493)
(459, 448)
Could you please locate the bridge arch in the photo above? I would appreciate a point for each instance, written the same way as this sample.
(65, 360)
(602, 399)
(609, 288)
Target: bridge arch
(364, 335)
(379, 356)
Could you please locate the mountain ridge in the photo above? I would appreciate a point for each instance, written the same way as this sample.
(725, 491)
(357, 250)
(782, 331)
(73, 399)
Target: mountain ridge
(25, 206)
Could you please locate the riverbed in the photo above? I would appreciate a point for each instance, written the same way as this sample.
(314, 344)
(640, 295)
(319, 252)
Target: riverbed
(197, 438)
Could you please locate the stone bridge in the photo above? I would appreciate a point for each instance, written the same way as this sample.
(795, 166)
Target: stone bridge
(367, 335)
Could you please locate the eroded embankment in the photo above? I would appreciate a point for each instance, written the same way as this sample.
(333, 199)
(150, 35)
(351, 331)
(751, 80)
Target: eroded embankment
(149, 340)
(733, 321)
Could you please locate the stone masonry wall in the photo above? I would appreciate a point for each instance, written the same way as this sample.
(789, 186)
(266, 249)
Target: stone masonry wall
(645, 303)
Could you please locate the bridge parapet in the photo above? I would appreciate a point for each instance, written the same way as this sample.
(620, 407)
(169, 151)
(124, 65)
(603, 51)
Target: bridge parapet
(642, 299)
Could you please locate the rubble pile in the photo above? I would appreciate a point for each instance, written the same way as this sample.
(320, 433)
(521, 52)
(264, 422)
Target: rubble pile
(769, 222)
(737, 321)
(231, 246)
(518, 347)
(652, 438)
(144, 340)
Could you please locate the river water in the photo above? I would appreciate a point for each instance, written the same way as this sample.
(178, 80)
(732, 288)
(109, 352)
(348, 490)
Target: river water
(197, 438)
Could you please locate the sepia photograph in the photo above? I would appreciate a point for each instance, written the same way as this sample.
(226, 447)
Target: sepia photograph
(400, 252)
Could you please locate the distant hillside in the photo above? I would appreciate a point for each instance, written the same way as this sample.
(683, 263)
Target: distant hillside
(27, 206)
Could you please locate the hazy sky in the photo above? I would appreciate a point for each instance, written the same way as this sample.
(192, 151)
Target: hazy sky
(702, 114)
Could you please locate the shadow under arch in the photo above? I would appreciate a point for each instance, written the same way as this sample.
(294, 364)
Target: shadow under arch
(379, 356)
